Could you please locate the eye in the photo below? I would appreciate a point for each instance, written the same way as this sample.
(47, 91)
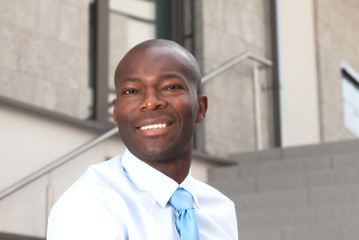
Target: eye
(172, 87)
(129, 91)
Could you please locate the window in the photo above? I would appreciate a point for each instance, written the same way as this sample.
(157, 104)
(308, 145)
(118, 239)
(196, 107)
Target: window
(133, 21)
(350, 94)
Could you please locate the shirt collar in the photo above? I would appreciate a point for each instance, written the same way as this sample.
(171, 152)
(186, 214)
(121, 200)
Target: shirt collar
(149, 179)
(187, 184)
(145, 177)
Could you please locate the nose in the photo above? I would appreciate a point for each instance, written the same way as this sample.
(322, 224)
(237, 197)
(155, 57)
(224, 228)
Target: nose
(152, 101)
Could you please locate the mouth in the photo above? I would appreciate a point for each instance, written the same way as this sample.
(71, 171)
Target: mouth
(154, 126)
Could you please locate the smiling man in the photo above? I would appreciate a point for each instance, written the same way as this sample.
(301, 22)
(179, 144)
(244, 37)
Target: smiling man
(148, 192)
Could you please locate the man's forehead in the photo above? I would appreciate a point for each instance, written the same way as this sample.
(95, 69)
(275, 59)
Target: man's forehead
(160, 77)
(152, 58)
(154, 51)
(160, 52)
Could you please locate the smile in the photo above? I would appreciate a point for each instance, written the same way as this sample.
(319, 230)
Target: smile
(154, 126)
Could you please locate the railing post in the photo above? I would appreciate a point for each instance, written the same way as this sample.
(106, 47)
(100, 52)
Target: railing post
(49, 198)
(256, 87)
(257, 107)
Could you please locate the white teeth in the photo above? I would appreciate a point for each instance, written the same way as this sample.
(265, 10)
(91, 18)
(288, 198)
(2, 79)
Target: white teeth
(154, 126)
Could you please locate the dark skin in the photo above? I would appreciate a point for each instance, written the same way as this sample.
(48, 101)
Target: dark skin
(158, 104)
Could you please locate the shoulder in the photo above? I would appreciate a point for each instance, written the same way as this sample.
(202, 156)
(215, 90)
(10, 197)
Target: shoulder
(98, 178)
(88, 200)
(101, 177)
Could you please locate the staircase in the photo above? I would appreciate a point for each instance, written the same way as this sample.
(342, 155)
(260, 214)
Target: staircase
(307, 192)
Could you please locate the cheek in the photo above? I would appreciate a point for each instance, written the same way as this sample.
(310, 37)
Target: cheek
(193, 106)
(122, 116)
(124, 129)
(123, 120)
(189, 112)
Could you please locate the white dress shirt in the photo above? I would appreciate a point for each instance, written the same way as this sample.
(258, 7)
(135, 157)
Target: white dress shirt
(124, 198)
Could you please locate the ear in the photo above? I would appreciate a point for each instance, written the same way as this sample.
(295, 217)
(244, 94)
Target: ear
(114, 111)
(202, 108)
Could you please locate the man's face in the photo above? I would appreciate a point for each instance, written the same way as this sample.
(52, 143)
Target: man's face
(157, 104)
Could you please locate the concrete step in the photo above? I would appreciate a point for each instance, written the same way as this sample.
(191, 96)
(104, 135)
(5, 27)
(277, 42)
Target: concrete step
(309, 179)
(324, 149)
(307, 192)
(257, 156)
(285, 166)
(278, 167)
(347, 231)
(230, 186)
(269, 168)
(270, 200)
(260, 234)
(330, 214)
(329, 148)
(313, 196)
(334, 176)
(345, 159)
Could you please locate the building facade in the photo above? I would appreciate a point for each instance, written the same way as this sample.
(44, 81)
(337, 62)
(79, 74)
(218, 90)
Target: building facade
(296, 82)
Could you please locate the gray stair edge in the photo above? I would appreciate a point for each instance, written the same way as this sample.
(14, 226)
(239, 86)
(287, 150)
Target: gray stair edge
(333, 231)
(298, 216)
(324, 149)
(296, 180)
(288, 198)
(296, 232)
(294, 166)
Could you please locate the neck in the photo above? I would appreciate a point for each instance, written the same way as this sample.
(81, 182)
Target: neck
(175, 168)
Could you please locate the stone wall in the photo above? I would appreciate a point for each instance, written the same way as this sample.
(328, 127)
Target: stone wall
(44, 54)
(34, 143)
(337, 35)
(230, 28)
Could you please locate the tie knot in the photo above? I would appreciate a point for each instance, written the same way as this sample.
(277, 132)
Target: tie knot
(181, 200)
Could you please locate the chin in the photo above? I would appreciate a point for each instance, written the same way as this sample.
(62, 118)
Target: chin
(154, 155)
(157, 154)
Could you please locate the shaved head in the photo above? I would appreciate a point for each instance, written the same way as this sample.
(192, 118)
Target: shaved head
(158, 104)
(190, 61)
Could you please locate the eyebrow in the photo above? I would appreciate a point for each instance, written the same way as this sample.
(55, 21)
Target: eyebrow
(161, 77)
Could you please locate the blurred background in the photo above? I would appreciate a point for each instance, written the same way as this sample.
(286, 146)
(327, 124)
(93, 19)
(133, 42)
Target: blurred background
(280, 136)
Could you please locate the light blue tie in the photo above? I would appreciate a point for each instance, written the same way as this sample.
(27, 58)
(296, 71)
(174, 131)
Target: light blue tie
(186, 222)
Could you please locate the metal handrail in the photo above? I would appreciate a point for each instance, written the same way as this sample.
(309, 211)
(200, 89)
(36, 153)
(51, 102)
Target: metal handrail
(58, 162)
(88, 145)
(257, 107)
(234, 61)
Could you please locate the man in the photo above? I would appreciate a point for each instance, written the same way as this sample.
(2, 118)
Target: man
(158, 102)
